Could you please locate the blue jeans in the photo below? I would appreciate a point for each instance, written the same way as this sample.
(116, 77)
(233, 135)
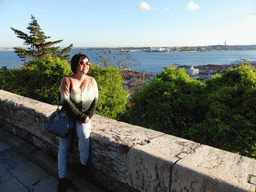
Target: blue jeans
(83, 132)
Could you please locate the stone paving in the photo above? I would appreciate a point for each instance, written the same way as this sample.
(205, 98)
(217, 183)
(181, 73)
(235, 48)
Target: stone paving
(24, 167)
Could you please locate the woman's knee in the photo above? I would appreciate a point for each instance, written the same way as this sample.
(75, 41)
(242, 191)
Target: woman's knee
(83, 131)
(64, 145)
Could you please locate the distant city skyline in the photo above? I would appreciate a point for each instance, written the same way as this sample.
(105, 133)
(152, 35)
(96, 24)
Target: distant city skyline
(138, 47)
(133, 23)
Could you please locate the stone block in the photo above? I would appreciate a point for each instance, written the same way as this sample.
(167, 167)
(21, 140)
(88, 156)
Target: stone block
(46, 147)
(13, 185)
(48, 184)
(4, 146)
(28, 114)
(10, 158)
(16, 142)
(111, 141)
(29, 173)
(208, 169)
(150, 165)
(8, 127)
(49, 164)
(5, 175)
(252, 179)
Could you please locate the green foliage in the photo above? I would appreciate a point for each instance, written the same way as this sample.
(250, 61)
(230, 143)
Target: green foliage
(229, 119)
(45, 74)
(12, 80)
(38, 44)
(39, 79)
(229, 123)
(188, 49)
(123, 61)
(220, 113)
(112, 97)
(167, 103)
(241, 76)
(2, 76)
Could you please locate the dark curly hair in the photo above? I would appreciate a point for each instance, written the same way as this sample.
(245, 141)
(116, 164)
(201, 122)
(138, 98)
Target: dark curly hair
(76, 60)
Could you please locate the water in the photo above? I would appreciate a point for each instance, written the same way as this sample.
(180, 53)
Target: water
(153, 62)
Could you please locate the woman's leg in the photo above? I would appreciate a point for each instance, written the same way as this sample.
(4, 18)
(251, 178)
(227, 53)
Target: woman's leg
(63, 156)
(83, 132)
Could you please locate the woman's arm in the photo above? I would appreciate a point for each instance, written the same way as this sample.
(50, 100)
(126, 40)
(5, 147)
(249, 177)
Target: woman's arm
(67, 104)
(93, 106)
(72, 111)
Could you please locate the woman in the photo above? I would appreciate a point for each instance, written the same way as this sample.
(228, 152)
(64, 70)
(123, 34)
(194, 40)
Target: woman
(79, 95)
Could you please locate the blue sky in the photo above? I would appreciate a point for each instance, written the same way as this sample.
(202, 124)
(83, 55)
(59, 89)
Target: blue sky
(113, 23)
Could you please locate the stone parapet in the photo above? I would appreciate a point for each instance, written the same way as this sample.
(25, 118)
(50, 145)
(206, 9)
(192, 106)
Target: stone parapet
(132, 158)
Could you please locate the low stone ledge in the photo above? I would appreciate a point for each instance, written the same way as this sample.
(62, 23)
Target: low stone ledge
(170, 163)
(111, 141)
(151, 164)
(132, 158)
(209, 168)
(28, 114)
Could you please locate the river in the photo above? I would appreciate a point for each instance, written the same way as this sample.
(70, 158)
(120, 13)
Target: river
(153, 62)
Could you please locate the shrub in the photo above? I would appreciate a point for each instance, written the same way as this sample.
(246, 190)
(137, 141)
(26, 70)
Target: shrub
(168, 103)
(220, 113)
(112, 97)
(229, 121)
(40, 79)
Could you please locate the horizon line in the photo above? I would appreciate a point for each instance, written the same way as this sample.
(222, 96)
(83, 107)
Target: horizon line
(136, 46)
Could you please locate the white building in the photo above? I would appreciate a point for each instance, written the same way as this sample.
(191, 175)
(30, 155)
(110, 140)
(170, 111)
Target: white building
(192, 71)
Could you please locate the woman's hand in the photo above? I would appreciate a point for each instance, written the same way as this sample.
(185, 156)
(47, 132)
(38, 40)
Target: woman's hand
(87, 120)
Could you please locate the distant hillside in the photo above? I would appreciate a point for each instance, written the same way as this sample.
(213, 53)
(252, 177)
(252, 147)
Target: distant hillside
(180, 49)
(214, 48)
(226, 47)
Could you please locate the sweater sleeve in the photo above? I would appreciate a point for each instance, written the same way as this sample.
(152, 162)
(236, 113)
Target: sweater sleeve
(93, 106)
(67, 105)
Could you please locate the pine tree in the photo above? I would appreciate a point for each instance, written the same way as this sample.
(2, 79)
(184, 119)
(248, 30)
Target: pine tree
(38, 46)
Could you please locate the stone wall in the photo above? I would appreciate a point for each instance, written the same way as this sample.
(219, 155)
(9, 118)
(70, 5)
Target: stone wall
(132, 158)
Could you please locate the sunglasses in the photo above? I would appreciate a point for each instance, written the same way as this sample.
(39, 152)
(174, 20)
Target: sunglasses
(86, 63)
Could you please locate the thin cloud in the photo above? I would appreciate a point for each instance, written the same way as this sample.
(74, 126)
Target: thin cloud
(166, 9)
(192, 5)
(252, 17)
(144, 6)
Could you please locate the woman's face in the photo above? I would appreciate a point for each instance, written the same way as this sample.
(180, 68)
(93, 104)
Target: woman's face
(84, 66)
